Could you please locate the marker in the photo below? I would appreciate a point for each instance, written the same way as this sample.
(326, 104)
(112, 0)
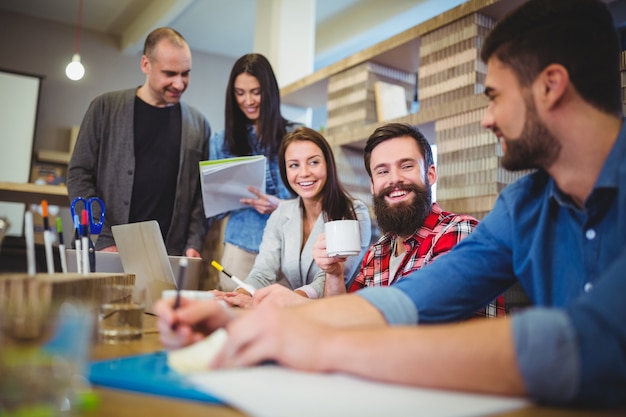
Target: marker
(30, 242)
(182, 268)
(85, 242)
(61, 246)
(77, 245)
(237, 281)
(47, 237)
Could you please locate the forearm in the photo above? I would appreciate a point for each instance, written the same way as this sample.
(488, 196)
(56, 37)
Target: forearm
(471, 356)
(346, 310)
(334, 285)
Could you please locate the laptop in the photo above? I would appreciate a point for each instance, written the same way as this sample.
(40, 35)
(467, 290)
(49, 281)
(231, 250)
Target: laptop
(141, 251)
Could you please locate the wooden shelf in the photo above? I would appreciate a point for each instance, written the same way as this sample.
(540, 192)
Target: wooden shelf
(400, 51)
(356, 138)
(29, 193)
(55, 157)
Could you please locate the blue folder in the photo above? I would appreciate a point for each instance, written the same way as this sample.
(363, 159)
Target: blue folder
(147, 374)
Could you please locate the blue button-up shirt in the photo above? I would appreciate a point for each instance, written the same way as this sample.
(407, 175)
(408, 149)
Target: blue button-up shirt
(571, 348)
(245, 226)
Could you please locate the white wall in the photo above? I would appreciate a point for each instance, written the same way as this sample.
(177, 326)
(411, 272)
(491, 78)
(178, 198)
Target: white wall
(44, 48)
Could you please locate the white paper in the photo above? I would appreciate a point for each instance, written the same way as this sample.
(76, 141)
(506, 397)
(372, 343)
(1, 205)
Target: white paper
(273, 391)
(225, 182)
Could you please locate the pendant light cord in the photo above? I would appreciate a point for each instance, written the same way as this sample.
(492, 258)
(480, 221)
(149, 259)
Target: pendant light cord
(80, 14)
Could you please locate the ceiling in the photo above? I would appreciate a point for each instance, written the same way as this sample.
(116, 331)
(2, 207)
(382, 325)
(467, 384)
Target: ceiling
(226, 27)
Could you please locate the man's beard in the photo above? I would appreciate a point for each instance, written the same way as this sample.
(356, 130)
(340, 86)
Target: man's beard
(534, 148)
(405, 218)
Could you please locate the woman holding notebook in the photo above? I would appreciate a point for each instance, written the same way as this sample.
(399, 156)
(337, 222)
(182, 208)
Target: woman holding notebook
(253, 126)
(307, 167)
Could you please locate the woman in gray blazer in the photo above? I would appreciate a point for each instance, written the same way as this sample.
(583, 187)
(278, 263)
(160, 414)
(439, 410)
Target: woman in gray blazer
(307, 167)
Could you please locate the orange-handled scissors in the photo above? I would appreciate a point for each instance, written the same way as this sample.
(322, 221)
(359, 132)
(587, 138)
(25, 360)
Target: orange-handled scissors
(95, 227)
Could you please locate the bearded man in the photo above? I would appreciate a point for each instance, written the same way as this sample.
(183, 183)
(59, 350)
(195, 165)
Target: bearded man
(399, 161)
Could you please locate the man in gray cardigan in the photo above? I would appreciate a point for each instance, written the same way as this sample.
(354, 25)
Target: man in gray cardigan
(138, 150)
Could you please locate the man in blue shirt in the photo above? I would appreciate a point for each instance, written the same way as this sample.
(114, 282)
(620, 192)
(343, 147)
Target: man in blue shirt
(554, 102)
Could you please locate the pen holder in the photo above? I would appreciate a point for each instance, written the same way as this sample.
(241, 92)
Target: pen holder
(44, 346)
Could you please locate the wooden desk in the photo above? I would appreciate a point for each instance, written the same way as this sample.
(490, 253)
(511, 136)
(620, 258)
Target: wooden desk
(131, 404)
(29, 193)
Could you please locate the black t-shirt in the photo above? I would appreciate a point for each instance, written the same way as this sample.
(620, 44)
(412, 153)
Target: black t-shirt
(157, 152)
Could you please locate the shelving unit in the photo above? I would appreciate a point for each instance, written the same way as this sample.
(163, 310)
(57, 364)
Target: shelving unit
(450, 87)
(55, 157)
(400, 51)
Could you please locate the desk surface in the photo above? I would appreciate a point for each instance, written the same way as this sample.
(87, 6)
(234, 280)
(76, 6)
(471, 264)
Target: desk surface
(130, 404)
(29, 193)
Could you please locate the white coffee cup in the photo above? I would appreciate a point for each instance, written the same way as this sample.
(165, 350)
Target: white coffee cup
(343, 238)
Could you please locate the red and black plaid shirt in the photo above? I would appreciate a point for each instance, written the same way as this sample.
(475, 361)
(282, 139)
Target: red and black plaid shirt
(440, 231)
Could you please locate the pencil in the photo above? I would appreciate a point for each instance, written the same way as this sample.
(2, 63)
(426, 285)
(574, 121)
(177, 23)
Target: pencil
(77, 244)
(85, 241)
(61, 246)
(182, 267)
(237, 281)
(30, 242)
(47, 237)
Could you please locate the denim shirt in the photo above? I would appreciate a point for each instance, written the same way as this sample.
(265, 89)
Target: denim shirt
(245, 226)
(571, 346)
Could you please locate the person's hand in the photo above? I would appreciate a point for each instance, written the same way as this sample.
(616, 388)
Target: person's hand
(112, 248)
(219, 294)
(191, 322)
(192, 253)
(263, 203)
(278, 296)
(278, 334)
(236, 299)
(332, 265)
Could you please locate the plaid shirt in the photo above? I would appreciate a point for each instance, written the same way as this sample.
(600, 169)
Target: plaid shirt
(440, 231)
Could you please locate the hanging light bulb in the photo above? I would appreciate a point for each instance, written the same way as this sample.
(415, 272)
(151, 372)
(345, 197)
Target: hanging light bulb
(75, 70)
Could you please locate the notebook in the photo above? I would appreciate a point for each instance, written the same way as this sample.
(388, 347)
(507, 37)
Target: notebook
(142, 252)
(147, 373)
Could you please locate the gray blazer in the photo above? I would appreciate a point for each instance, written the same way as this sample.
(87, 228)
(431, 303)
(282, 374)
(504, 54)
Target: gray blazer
(103, 165)
(280, 259)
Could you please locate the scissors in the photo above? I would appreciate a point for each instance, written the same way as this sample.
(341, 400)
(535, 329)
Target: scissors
(95, 227)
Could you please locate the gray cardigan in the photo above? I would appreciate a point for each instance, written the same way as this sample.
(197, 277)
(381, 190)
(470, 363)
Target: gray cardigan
(103, 165)
(280, 259)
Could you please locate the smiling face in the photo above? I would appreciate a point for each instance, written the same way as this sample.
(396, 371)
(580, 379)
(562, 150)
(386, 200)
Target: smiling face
(401, 185)
(306, 169)
(247, 92)
(397, 162)
(512, 116)
(167, 73)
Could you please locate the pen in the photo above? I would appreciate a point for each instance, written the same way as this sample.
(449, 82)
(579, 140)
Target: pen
(61, 246)
(77, 245)
(182, 267)
(85, 242)
(30, 242)
(47, 237)
(237, 281)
